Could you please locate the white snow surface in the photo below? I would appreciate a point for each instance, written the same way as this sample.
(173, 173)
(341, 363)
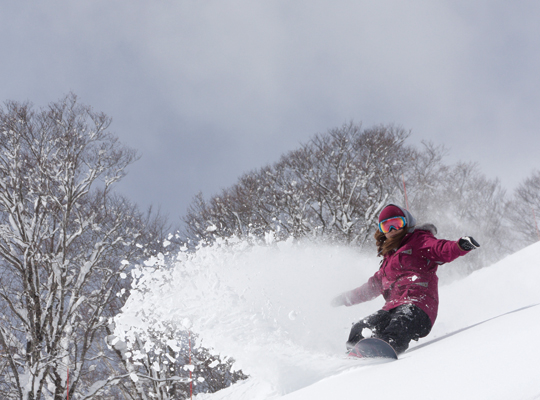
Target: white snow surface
(267, 306)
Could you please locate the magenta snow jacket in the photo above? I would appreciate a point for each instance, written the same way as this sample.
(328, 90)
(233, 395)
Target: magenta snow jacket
(408, 274)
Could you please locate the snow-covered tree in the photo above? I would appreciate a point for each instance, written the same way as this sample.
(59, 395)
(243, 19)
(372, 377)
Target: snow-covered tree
(65, 242)
(523, 210)
(332, 187)
(167, 363)
(350, 173)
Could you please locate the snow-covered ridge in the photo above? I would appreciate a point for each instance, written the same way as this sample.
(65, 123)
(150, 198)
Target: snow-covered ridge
(267, 306)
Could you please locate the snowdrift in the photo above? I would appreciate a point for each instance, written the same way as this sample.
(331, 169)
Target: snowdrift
(268, 307)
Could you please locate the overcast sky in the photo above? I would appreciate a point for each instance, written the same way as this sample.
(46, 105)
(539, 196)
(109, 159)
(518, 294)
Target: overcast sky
(209, 89)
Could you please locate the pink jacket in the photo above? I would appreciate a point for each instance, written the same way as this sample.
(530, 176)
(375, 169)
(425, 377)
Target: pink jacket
(408, 275)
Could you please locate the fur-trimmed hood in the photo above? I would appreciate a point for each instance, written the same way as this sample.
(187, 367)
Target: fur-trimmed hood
(426, 227)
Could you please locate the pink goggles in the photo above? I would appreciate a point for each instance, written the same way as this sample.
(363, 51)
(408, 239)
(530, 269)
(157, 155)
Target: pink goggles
(392, 223)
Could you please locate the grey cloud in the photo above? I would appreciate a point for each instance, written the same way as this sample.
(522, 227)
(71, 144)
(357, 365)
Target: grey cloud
(207, 90)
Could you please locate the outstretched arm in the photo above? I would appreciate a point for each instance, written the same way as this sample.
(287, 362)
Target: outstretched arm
(444, 251)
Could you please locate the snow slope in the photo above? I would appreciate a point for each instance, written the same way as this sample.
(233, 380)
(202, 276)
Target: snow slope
(267, 306)
(497, 360)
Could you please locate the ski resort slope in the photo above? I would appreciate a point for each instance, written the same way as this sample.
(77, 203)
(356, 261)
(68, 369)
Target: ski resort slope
(484, 345)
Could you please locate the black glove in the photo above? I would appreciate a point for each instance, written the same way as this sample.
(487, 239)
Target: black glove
(467, 243)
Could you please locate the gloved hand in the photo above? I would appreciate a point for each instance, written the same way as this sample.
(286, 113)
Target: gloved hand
(337, 301)
(467, 243)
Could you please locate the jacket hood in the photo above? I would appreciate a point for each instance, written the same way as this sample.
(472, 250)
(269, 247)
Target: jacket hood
(427, 227)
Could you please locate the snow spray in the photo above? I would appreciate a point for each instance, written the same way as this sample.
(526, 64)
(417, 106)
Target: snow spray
(250, 298)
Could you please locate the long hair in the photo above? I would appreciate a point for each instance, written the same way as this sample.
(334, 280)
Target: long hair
(384, 245)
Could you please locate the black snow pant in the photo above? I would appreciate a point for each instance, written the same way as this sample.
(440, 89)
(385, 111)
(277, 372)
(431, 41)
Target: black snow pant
(398, 326)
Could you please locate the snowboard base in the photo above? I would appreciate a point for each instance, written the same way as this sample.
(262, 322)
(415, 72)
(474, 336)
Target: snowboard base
(373, 348)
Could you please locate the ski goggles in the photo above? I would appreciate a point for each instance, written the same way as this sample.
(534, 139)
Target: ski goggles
(392, 223)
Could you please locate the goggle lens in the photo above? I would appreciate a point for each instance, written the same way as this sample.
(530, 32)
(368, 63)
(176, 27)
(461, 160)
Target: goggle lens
(392, 223)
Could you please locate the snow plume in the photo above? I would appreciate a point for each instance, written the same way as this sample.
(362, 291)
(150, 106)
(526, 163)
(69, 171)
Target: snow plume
(253, 300)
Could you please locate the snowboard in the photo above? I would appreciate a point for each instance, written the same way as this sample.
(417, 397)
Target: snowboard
(373, 348)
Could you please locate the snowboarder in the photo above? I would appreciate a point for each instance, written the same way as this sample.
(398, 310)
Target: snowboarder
(407, 280)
